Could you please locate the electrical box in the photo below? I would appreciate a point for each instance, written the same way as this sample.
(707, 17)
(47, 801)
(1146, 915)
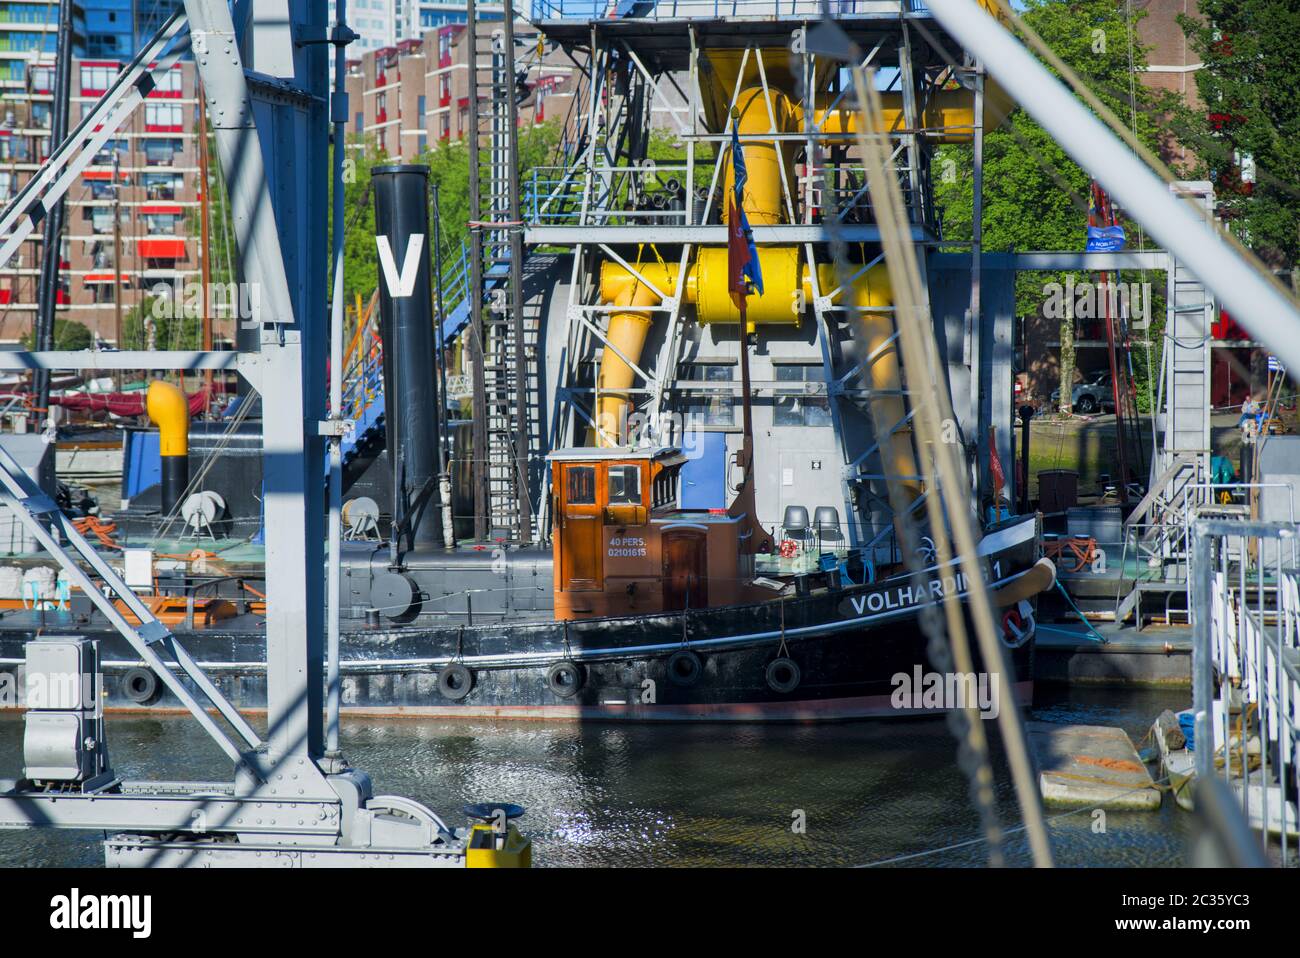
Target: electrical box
(63, 734)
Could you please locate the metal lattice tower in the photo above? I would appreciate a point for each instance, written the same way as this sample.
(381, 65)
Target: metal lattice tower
(681, 69)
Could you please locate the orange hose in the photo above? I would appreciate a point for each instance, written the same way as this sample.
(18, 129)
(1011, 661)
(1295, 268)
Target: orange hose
(100, 529)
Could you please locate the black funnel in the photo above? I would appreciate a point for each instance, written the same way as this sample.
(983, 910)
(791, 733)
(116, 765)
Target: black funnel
(406, 327)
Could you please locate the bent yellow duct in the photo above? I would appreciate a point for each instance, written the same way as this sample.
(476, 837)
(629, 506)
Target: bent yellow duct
(169, 410)
(627, 333)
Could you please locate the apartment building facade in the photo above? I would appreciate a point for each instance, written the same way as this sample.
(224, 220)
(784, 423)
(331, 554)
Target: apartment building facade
(385, 23)
(410, 96)
(147, 175)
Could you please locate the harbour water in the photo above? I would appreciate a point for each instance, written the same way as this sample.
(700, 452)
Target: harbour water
(654, 795)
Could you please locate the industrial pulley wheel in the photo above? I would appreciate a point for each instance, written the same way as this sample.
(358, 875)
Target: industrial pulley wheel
(564, 678)
(455, 682)
(684, 668)
(783, 675)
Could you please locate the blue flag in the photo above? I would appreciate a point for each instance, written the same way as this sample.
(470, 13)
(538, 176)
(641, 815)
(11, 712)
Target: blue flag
(744, 266)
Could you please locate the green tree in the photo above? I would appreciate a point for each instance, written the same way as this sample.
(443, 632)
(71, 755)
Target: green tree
(1035, 196)
(168, 326)
(68, 334)
(1251, 118)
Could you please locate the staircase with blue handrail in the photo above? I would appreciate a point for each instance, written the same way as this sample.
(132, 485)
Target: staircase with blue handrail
(363, 403)
(456, 290)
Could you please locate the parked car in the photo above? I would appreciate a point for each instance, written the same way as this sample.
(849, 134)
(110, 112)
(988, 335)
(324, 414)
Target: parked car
(1089, 396)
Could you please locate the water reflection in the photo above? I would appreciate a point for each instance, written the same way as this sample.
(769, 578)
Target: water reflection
(681, 795)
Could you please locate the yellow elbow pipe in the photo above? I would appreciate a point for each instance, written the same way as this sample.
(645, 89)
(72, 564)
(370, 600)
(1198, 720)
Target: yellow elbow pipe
(169, 410)
(764, 159)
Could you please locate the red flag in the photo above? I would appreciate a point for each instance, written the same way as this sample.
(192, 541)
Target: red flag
(737, 257)
(995, 466)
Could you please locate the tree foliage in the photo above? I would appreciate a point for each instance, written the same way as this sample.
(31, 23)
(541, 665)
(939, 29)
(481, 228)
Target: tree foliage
(1035, 195)
(161, 324)
(1251, 90)
(68, 334)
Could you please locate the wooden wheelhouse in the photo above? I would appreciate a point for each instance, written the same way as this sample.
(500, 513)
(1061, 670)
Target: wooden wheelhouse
(623, 545)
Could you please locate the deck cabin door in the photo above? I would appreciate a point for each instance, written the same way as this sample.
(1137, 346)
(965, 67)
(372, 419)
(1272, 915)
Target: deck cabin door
(580, 535)
(686, 583)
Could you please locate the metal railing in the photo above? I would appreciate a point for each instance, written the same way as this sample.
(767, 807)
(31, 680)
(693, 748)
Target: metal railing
(1161, 545)
(1245, 600)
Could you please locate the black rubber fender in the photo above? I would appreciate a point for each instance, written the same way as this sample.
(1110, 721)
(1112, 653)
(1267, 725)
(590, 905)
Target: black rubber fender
(141, 686)
(685, 668)
(783, 675)
(455, 682)
(564, 678)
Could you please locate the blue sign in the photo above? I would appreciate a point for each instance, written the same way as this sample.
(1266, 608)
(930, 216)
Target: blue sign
(1105, 239)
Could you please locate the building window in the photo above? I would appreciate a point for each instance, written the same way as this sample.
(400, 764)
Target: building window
(161, 223)
(160, 152)
(42, 79)
(13, 149)
(171, 83)
(794, 406)
(101, 218)
(163, 118)
(360, 122)
(161, 186)
(444, 127)
(96, 79)
(711, 407)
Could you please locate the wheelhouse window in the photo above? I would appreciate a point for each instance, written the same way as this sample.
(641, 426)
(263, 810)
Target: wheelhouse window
(624, 484)
(580, 488)
(796, 404)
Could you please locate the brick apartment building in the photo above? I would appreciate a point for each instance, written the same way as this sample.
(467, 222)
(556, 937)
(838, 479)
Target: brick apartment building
(155, 157)
(1171, 62)
(157, 195)
(408, 97)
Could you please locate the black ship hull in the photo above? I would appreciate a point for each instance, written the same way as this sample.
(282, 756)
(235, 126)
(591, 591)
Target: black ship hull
(839, 652)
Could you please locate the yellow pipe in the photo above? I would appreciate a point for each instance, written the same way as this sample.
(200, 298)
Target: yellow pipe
(627, 333)
(169, 410)
(706, 287)
(952, 111)
(764, 159)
